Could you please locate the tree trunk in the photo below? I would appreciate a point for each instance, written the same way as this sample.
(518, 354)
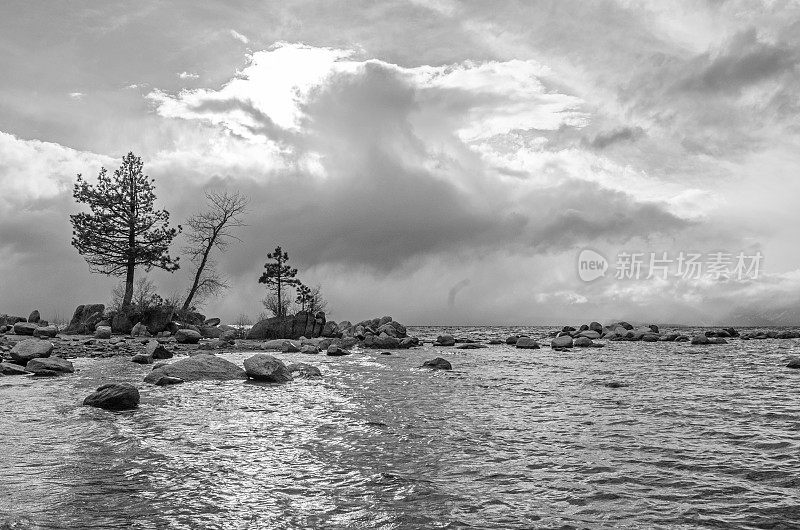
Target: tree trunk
(280, 304)
(199, 273)
(126, 301)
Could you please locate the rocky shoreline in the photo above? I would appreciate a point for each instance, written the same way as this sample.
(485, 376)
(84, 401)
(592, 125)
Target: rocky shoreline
(36, 348)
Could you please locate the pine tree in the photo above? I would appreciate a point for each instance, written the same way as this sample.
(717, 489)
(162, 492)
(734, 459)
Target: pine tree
(278, 276)
(123, 230)
(303, 296)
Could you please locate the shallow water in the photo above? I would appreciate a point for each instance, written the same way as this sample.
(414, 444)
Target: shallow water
(701, 437)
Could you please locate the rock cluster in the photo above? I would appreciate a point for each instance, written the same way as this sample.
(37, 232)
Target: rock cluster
(302, 324)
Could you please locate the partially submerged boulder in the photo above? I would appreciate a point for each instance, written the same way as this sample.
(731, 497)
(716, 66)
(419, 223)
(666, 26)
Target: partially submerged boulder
(303, 370)
(564, 341)
(527, 343)
(49, 366)
(263, 367)
(445, 340)
(30, 349)
(200, 367)
(114, 396)
(438, 364)
(336, 351)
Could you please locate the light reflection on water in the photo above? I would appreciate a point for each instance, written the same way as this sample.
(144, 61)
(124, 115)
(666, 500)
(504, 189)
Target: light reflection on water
(509, 439)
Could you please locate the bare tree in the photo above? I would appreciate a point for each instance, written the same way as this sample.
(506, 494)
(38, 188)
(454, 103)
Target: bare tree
(209, 230)
(315, 301)
(277, 305)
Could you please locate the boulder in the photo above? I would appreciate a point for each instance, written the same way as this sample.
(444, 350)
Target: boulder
(49, 366)
(187, 336)
(156, 350)
(155, 318)
(336, 351)
(289, 327)
(200, 367)
(651, 337)
(102, 332)
(142, 358)
(512, 339)
(589, 334)
(625, 325)
(85, 318)
(438, 364)
(114, 396)
(309, 349)
(303, 370)
(29, 349)
(653, 328)
(34, 316)
(213, 322)
(596, 326)
(793, 363)
(445, 340)
(700, 339)
(12, 369)
(140, 330)
(25, 328)
(330, 329)
(564, 341)
(210, 332)
(527, 343)
(568, 329)
(45, 332)
(583, 342)
(10, 320)
(263, 367)
(682, 338)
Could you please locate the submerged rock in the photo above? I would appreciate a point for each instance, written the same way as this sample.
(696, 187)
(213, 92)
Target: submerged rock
(794, 363)
(471, 346)
(438, 364)
(142, 358)
(304, 370)
(527, 343)
(12, 369)
(445, 340)
(114, 396)
(29, 349)
(166, 380)
(200, 367)
(49, 366)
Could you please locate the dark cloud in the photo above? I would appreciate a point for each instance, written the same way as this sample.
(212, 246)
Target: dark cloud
(745, 61)
(619, 135)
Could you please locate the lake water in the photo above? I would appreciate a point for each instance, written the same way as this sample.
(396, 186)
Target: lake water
(700, 437)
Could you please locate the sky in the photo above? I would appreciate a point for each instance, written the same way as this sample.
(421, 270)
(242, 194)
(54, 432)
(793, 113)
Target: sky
(442, 162)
